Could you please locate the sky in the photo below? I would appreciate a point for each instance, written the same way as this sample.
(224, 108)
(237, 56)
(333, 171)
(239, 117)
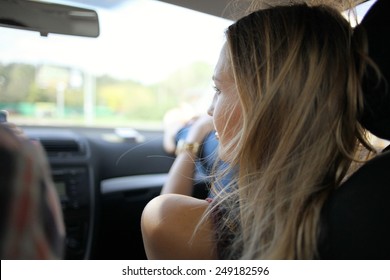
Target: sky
(143, 40)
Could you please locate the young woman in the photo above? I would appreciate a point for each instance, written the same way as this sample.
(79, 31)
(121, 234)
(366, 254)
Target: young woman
(287, 100)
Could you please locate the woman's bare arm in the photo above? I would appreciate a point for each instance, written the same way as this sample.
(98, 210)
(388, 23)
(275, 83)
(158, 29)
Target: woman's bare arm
(170, 229)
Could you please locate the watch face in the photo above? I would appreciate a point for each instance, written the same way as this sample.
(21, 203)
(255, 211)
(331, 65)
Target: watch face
(183, 146)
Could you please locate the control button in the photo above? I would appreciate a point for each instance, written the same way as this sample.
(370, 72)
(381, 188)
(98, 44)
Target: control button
(72, 243)
(75, 204)
(64, 205)
(73, 191)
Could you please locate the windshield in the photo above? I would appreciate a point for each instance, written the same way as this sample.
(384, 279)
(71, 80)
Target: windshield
(150, 58)
(151, 61)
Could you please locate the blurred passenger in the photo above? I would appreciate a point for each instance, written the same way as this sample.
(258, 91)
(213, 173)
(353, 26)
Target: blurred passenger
(174, 120)
(286, 107)
(189, 140)
(30, 218)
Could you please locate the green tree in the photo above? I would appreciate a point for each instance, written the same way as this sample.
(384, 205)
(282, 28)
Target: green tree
(17, 80)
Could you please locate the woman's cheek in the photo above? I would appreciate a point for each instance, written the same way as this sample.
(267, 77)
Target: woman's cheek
(228, 126)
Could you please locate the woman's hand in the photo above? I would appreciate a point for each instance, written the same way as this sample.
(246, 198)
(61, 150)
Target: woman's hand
(200, 128)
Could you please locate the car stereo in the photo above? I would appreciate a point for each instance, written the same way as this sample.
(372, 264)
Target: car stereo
(73, 188)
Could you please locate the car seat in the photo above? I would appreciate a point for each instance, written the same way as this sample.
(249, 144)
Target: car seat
(356, 218)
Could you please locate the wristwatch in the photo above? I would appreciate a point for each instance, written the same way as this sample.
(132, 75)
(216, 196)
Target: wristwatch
(184, 146)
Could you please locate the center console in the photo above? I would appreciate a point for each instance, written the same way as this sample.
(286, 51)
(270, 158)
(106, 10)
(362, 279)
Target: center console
(75, 196)
(69, 158)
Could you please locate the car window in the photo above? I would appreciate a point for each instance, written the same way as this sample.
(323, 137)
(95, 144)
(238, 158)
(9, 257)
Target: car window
(150, 58)
(356, 15)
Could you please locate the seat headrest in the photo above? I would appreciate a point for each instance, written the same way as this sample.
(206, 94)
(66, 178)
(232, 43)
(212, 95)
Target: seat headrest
(376, 116)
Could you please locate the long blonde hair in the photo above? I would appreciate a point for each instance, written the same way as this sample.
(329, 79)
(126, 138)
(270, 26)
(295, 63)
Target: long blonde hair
(297, 70)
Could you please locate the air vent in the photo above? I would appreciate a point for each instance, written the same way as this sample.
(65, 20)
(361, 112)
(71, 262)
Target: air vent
(60, 146)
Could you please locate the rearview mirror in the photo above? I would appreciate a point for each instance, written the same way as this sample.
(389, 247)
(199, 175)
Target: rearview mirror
(48, 18)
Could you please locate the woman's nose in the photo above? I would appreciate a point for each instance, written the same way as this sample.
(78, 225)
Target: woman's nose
(210, 110)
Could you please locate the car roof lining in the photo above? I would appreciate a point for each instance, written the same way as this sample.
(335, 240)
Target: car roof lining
(219, 8)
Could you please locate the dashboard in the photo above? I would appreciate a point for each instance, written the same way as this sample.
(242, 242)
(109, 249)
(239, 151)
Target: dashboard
(104, 179)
